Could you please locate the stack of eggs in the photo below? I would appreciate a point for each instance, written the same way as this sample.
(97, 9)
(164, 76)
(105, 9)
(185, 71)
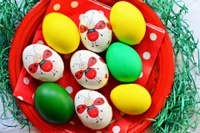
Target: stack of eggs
(88, 68)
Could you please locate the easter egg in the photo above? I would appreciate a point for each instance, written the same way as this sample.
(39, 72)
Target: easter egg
(53, 103)
(95, 31)
(43, 63)
(131, 99)
(93, 109)
(127, 22)
(60, 33)
(123, 62)
(89, 69)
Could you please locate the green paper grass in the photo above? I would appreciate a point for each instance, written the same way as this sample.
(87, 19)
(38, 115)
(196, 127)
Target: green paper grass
(181, 111)
(11, 14)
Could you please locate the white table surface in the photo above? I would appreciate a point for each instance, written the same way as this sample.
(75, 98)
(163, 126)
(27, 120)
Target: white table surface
(193, 19)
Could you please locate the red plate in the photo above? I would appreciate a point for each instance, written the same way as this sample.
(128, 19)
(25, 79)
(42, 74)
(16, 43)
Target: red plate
(160, 81)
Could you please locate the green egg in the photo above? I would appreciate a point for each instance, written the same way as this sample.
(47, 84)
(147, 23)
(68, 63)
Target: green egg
(53, 103)
(123, 62)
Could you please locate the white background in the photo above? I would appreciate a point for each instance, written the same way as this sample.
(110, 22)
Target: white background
(193, 19)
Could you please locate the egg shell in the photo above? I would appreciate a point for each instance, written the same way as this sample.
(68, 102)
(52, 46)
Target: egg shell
(60, 33)
(54, 103)
(131, 99)
(95, 31)
(43, 63)
(89, 69)
(93, 109)
(123, 62)
(127, 22)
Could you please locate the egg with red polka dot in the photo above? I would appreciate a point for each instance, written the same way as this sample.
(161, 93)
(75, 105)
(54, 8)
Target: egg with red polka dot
(42, 63)
(95, 31)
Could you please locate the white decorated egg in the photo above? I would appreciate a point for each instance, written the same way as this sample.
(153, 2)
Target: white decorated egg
(93, 109)
(43, 63)
(89, 69)
(95, 31)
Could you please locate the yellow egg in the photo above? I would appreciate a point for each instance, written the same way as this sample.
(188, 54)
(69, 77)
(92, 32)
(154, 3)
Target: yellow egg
(60, 33)
(127, 22)
(131, 99)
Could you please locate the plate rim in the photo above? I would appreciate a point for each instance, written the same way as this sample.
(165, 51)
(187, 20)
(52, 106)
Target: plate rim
(166, 52)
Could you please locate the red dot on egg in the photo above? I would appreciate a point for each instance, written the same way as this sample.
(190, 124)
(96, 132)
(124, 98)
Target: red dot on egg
(106, 75)
(108, 42)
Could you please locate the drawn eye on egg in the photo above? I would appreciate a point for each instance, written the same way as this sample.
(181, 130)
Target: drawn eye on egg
(41, 62)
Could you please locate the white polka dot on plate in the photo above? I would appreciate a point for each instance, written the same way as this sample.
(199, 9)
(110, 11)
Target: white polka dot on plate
(40, 42)
(146, 55)
(71, 122)
(141, 75)
(56, 7)
(20, 97)
(26, 80)
(116, 129)
(69, 89)
(74, 4)
(98, 131)
(153, 36)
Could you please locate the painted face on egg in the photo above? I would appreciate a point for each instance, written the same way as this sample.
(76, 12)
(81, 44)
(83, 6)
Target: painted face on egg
(95, 30)
(92, 109)
(43, 63)
(89, 69)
